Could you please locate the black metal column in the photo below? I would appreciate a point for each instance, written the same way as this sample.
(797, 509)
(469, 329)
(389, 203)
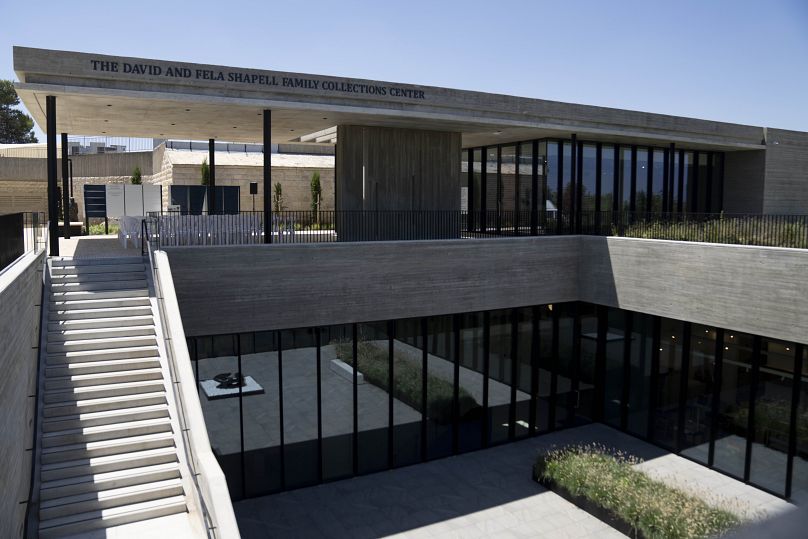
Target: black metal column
(53, 205)
(267, 176)
(534, 191)
(212, 183)
(65, 189)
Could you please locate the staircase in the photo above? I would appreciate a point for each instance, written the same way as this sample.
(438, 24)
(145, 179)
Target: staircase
(108, 455)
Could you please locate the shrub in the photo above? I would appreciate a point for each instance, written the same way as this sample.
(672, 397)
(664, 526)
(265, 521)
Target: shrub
(277, 202)
(407, 381)
(609, 480)
(316, 191)
(136, 178)
(205, 172)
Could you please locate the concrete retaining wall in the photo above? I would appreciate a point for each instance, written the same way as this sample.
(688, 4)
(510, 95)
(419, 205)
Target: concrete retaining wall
(759, 290)
(20, 293)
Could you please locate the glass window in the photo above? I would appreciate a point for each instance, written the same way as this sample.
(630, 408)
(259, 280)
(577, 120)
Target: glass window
(439, 387)
(507, 185)
(566, 179)
(492, 189)
(625, 177)
(474, 199)
(675, 190)
(698, 403)
(472, 357)
(373, 350)
(217, 355)
(704, 182)
(658, 181)
(299, 375)
(607, 178)
(717, 184)
(524, 370)
(641, 186)
(642, 339)
(525, 185)
(553, 167)
(588, 343)
(588, 180)
(408, 350)
(733, 407)
(545, 359)
(772, 415)
(689, 194)
(565, 366)
(499, 376)
(799, 486)
(666, 414)
(613, 381)
(464, 180)
(337, 401)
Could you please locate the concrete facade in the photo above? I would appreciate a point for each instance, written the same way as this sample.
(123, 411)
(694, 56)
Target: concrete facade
(750, 289)
(786, 181)
(20, 295)
(743, 188)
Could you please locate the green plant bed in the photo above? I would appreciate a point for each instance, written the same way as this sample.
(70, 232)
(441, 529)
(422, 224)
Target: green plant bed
(97, 229)
(407, 382)
(626, 498)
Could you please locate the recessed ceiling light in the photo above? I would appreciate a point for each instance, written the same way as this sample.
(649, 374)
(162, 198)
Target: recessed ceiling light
(234, 127)
(106, 121)
(104, 132)
(173, 124)
(187, 110)
(324, 118)
(109, 105)
(291, 130)
(497, 132)
(161, 134)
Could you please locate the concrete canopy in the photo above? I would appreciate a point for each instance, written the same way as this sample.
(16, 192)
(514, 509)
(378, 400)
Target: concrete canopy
(122, 96)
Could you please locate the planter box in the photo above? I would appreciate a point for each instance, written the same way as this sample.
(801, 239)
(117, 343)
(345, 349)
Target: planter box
(344, 370)
(601, 513)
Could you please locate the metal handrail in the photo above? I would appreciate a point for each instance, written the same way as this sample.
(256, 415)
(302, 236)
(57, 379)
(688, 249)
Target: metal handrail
(214, 528)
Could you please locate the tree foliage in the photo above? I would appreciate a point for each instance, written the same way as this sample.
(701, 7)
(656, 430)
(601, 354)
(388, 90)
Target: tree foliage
(136, 177)
(16, 127)
(316, 191)
(278, 202)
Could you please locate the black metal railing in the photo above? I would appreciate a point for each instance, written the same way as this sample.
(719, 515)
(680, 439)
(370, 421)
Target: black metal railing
(20, 233)
(244, 228)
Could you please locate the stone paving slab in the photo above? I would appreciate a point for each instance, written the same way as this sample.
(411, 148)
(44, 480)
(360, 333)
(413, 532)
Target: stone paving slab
(487, 493)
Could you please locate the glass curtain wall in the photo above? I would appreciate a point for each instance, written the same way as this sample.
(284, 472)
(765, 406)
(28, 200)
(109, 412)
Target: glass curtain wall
(291, 408)
(607, 168)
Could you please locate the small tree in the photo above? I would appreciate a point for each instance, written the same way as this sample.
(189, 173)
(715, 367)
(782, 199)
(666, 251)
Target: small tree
(136, 177)
(277, 204)
(316, 195)
(205, 170)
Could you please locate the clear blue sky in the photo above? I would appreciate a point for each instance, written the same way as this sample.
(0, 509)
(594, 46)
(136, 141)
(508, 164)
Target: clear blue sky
(736, 61)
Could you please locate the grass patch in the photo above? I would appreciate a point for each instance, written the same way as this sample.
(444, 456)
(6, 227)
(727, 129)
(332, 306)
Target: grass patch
(97, 229)
(652, 508)
(407, 381)
(785, 231)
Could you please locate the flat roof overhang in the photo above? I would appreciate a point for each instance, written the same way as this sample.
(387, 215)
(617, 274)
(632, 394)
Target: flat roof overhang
(205, 101)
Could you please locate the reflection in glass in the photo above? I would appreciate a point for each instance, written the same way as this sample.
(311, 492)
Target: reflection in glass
(700, 382)
(665, 425)
(524, 369)
(499, 376)
(588, 342)
(625, 177)
(525, 187)
(337, 401)
(545, 359)
(553, 168)
(613, 381)
(408, 349)
(642, 339)
(689, 187)
(472, 357)
(658, 180)
(717, 184)
(588, 180)
(565, 366)
(373, 350)
(566, 178)
(772, 415)
(733, 407)
(641, 186)
(607, 178)
(439, 387)
(799, 485)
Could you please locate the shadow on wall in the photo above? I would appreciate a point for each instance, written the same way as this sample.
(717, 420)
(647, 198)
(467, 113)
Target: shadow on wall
(595, 272)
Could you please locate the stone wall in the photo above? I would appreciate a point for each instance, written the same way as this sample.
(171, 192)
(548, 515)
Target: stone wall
(20, 287)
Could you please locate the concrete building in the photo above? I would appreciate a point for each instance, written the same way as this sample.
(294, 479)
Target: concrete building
(573, 265)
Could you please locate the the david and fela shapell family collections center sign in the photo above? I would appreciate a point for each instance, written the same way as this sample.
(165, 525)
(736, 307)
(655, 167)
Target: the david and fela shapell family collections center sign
(254, 79)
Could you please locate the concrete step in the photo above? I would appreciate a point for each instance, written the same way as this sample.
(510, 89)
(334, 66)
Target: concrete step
(108, 332)
(102, 378)
(82, 356)
(102, 322)
(107, 499)
(68, 396)
(113, 463)
(85, 435)
(71, 309)
(105, 448)
(98, 286)
(99, 277)
(104, 417)
(60, 262)
(70, 486)
(94, 367)
(59, 409)
(109, 343)
(106, 518)
(97, 268)
(84, 295)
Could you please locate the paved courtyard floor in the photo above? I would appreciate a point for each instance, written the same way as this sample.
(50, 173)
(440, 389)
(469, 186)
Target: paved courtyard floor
(95, 247)
(487, 493)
